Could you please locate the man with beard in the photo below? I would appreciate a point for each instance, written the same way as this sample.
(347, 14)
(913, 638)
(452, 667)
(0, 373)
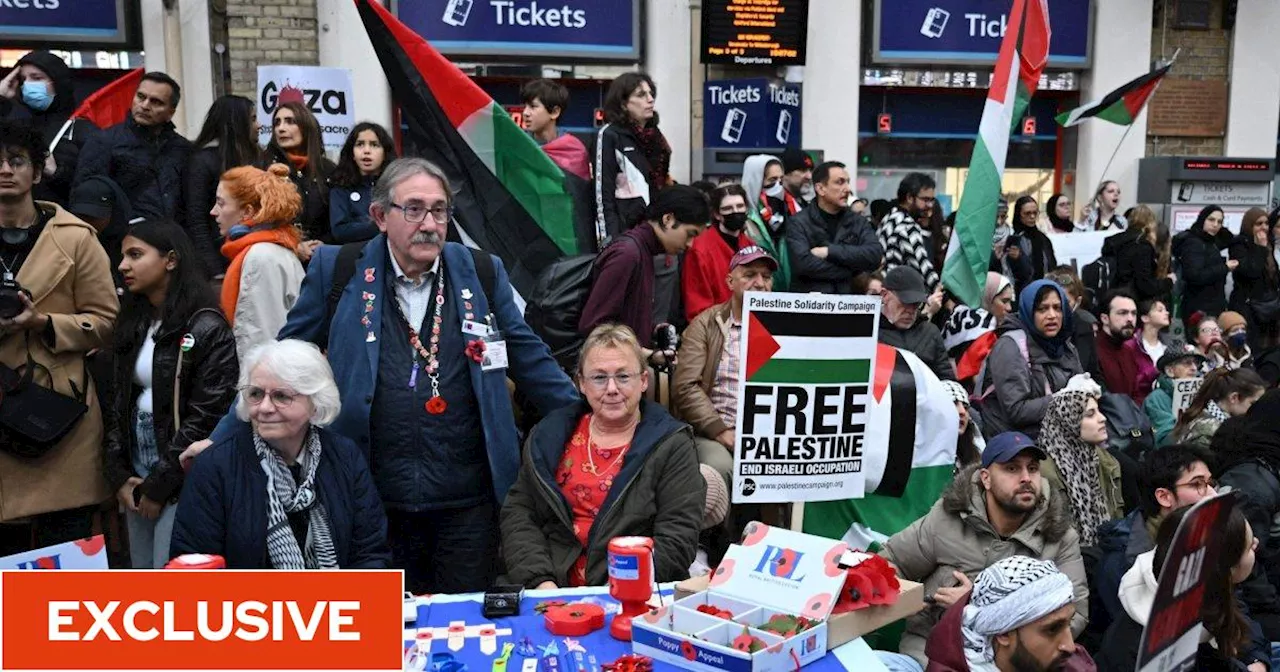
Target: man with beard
(1018, 619)
(905, 240)
(828, 244)
(797, 175)
(993, 510)
(1118, 313)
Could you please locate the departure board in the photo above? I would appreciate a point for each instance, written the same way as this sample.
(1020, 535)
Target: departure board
(754, 32)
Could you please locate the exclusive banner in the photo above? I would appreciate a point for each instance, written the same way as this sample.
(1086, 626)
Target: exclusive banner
(201, 620)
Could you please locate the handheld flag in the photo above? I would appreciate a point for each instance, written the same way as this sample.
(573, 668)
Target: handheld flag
(1023, 53)
(509, 197)
(1121, 106)
(107, 106)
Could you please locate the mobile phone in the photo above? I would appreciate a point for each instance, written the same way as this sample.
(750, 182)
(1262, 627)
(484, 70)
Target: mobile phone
(935, 21)
(457, 12)
(784, 126)
(733, 123)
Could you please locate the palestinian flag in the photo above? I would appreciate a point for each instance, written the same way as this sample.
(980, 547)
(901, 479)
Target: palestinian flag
(1023, 53)
(808, 349)
(1120, 106)
(509, 197)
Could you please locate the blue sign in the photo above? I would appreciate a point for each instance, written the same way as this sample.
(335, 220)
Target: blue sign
(575, 29)
(753, 113)
(73, 24)
(968, 32)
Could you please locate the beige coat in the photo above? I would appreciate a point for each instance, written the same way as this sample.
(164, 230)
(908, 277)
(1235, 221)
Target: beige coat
(700, 350)
(69, 278)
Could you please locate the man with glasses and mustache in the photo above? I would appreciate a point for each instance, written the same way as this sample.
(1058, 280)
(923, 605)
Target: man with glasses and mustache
(905, 240)
(408, 341)
(992, 510)
(903, 295)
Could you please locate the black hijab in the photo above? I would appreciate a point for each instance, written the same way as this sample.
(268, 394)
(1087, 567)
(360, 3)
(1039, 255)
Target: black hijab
(1058, 223)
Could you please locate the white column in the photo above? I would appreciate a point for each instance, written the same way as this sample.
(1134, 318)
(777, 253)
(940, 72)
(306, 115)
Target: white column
(668, 59)
(345, 44)
(832, 80)
(1254, 112)
(196, 77)
(1121, 52)
(153, 35)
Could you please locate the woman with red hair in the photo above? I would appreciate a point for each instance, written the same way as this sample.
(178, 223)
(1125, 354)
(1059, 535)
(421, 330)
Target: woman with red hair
(255, 210)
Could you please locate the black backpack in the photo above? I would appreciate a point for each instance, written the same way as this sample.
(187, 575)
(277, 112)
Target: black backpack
(1097, 277)
(1129, 429)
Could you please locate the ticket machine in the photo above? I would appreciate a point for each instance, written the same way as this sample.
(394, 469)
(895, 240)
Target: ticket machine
(1182, 185)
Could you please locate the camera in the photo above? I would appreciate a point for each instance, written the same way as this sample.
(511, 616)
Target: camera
(11, 304)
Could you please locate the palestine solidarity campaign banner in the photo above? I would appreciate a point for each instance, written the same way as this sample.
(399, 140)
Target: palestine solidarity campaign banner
(804, 386)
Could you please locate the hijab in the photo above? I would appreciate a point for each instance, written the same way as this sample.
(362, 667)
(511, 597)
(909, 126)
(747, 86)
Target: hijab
(1054, 347)
(996, 283)
(1059, 224)
(1077, 461)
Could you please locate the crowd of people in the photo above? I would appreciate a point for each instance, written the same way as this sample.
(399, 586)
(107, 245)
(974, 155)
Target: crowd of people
(249, 384)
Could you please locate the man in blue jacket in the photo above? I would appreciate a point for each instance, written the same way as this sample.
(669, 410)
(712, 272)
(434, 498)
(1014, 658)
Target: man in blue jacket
(429, 410)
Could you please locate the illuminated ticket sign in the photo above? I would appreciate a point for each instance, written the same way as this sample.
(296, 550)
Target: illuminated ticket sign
(754, 32)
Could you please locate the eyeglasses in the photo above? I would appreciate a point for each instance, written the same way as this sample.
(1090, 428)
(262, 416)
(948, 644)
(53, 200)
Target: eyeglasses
(1200, 485)
(1210, 330)
(600, 381)
(17, 162)
(279, 398)
(417, 214)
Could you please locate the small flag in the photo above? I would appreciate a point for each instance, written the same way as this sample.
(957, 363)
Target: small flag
(780, 348)
(1121, 106)
(110, 105)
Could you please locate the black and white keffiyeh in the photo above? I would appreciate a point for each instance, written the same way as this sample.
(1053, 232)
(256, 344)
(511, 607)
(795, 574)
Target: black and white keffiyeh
(1013, 592)
(285, 496)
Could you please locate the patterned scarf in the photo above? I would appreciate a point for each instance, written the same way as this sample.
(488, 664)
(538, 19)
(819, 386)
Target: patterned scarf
(658, 153)
(1213, 410)
(1076, 460)
(1008, 595)
(285, 496)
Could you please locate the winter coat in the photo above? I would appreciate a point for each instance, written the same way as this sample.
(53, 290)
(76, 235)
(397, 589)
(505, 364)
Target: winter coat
(907, 243)
(1145, 379)
(621, 180)
(1108, 474)
(1252, 280)
(956, 535)
(198, 393)
(1083, 332)
(56, 187)
(925, 341)
(1198, 432)
(313, 219)
(1029, 266)
(1120, 542)
(1119, 368)
(270, 283)
(349, 219)
(1204, 271)
(1120, 645)
(765, 234)
(852, 248)
(622, 284)
(148, 163)
(223, 509)
(659, 493)
(200, 187)
(67, 276)
(1023, 383)
(701, 348)
(1136, 261)
(1258, 486)
(705, 267)
(1159, 409)
(945, 648)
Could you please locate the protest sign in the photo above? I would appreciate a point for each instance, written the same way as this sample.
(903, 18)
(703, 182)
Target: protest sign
(804, 384)
(1184, 390)
(1172, 633)
(327, 92)
(82, 554)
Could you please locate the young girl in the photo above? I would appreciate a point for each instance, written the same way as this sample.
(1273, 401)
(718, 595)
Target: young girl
(1224, 393)
(297, 144)
(255, 210)
(367, 151)
(176, 373)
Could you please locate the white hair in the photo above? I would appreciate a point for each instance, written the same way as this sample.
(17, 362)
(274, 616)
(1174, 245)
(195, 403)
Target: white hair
(300, 366)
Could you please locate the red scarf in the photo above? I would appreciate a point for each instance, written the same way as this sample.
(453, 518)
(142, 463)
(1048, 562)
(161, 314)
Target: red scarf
(287, 237)
(658, 153)
(299, 161)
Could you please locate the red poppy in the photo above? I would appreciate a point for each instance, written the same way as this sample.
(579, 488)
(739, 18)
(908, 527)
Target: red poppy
(92, 545)
(746, 643)
(712, 610)
(855, 594)
(687, 650)
(784, 563)
(475, 350)
(436, 405)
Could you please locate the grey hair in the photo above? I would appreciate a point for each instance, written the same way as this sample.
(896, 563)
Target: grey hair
(402, 169)
(301, 367)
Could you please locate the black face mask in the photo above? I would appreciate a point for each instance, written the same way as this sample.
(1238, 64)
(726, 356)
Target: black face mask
(734, 221)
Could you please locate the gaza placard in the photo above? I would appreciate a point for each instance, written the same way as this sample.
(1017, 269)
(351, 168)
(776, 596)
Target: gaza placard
(805, 371)
(327, 92)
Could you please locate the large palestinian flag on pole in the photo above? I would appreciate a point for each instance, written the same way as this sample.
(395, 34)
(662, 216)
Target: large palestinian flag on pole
(1121, 106)
(1024, 50)
(509, 197)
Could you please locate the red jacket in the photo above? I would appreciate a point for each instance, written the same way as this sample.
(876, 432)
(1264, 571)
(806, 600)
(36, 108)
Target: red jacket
(1119, 369)
(946, 652)
(706, 265)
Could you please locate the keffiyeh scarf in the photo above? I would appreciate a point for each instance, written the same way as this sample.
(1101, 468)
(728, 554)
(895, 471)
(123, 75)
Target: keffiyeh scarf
(1011, 593)
(285, 496)
(1076, 460)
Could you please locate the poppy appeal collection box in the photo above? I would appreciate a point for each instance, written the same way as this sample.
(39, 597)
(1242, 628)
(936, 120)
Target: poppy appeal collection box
(765, 608)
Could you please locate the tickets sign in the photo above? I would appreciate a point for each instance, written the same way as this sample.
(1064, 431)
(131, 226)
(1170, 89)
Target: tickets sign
(804, 388)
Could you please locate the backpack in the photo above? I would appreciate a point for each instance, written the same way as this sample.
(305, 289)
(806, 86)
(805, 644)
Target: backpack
(1129, 429)
(555, 305)
(345, 267)
(1097, 277)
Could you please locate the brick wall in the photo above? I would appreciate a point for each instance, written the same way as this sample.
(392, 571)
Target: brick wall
(1206, 55)
(266, 32)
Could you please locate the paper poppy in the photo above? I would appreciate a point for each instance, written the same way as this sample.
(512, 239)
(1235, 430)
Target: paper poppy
(712, 610)
(855, 594)
(687, 650)
(92, 545)
(475, 350)
(746, 643)
(436, 405)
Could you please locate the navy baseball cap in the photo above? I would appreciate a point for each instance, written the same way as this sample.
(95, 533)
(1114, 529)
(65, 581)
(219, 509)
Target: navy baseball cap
(1006, 446)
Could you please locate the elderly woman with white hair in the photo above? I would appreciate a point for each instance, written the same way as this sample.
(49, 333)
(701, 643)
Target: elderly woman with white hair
(283, 492)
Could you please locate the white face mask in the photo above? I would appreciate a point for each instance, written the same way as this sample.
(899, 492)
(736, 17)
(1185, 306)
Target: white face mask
(775, 191)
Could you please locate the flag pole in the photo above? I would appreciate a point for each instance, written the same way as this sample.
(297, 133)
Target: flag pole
(1128, 128)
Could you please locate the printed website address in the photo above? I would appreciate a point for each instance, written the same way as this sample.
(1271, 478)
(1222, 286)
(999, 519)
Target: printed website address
(813, 485)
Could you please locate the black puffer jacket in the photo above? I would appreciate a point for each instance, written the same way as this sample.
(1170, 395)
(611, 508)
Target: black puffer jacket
(148, 163)
(1204, 271)
(1254, 279)
(200, 186)
(852, 248)
(1136, 265)
(314, 217)
(206, 386)
(66, 155)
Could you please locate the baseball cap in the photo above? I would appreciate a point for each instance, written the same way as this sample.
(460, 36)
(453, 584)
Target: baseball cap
(907, 284)
(1006, 446)
(795, 159)
(752, 253)
(1178, 349)
(92, 198)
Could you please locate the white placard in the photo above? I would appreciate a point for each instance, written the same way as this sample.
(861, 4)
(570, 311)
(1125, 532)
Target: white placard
(327, 92)
(88, 553)
(1184, 390)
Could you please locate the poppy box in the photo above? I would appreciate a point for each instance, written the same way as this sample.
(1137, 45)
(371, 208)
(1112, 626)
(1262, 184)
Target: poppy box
(765, 608)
